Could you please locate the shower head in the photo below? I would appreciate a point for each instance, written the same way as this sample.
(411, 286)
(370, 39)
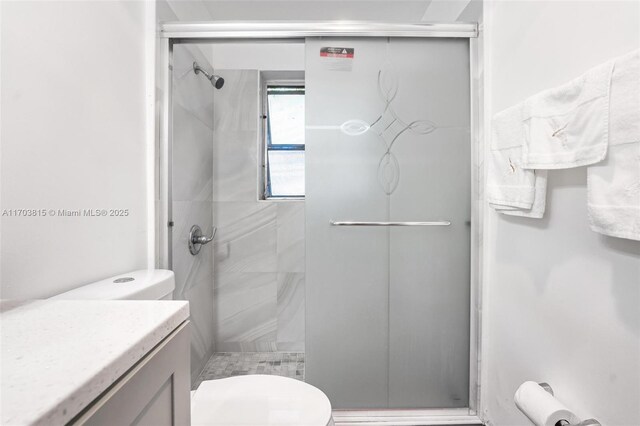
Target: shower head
(215, 80)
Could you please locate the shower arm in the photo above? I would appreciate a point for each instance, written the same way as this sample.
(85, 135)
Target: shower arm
(198, 69)
(215, 80)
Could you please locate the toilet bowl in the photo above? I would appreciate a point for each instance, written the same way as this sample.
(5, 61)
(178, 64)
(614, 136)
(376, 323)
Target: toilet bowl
(251, 400)
(259, 400)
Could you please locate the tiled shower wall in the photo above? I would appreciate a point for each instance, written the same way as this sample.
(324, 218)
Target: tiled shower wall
(259, 247)
(192, 190)
(192, 196)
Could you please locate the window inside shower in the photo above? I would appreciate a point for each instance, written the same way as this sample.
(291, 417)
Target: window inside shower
(283, 136)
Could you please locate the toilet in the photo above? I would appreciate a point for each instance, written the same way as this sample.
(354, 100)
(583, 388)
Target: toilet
(251, 400)
(259, 400)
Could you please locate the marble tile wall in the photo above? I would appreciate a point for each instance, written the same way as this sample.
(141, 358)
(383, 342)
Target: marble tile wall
(259, 248)
(192, 186)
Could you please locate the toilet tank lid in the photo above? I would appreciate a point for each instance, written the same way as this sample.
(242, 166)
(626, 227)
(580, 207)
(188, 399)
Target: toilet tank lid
(145, 284)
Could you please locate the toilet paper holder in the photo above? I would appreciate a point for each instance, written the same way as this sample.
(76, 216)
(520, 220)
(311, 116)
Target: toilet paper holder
(588, 422)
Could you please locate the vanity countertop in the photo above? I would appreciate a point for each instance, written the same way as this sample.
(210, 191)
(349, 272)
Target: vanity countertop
(57, 356)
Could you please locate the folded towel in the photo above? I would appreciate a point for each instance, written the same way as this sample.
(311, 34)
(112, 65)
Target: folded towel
(511, 189)
(568, 126)
(614, 184)
(536, 211)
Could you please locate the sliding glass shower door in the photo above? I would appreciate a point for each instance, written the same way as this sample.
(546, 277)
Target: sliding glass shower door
(388, 221)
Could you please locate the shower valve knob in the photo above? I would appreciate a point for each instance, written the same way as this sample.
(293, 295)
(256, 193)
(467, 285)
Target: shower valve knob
(197, 240)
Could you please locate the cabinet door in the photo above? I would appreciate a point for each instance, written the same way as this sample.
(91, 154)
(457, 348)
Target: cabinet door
(155, 392)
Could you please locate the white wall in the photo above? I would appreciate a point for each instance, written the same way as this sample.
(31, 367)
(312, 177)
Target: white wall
(73, 137)
(562, 302)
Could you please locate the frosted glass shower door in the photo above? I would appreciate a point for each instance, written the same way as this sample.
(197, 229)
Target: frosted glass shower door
(387, 140)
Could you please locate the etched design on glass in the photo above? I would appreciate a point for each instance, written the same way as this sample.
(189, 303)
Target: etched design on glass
(389, 127)
(354, 127)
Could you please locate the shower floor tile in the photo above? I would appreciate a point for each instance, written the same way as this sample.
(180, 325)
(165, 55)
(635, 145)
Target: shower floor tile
(228, 364)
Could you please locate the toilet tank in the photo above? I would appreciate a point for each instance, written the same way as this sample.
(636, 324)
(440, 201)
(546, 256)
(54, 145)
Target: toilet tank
(145, 284)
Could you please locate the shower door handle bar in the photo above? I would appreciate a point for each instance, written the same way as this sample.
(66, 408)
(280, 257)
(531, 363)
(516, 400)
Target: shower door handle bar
(353, 223)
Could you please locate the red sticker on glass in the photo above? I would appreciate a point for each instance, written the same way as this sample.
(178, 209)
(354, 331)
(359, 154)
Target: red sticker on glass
(337, 58)
(337, 52)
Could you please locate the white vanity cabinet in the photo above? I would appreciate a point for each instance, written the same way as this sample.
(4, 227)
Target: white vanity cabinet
(95, 362)
(154, 392)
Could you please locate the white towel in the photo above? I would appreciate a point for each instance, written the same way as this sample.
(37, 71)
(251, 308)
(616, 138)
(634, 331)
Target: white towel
(511, 189)
(536, 211)
(567, 126)
(614, 185)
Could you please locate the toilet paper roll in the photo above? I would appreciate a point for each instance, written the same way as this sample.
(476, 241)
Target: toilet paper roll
(542, 408)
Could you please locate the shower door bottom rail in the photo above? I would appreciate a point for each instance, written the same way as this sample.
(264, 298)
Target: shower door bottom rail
(357, 223)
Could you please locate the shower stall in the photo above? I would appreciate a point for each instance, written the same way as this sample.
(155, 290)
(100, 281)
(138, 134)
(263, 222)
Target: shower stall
(391, 226)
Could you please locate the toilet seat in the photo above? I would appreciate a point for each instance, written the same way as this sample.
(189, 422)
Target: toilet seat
(259, 400)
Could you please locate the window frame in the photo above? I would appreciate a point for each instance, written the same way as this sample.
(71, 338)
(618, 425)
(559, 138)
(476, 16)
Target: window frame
(268, 79)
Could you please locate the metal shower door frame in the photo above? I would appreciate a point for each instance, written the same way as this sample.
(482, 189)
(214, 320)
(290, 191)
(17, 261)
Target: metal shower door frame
(172, 33)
